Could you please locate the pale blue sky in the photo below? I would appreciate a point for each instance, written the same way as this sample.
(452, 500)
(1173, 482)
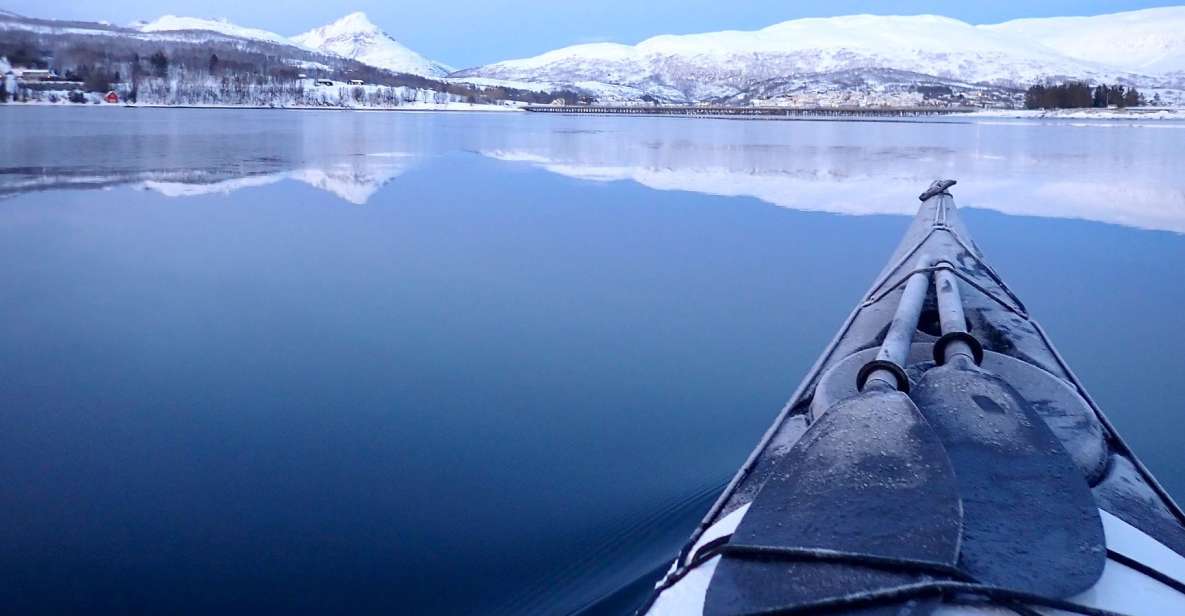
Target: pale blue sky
(470, 32)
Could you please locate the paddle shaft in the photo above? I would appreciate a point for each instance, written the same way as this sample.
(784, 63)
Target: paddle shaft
(895, 347)
(950, 315)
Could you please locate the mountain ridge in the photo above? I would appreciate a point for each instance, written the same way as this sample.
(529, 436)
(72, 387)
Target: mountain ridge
(725, 64)
(175, 23)
(1144, 40)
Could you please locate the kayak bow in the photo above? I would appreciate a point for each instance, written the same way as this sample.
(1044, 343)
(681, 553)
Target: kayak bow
(939, 455)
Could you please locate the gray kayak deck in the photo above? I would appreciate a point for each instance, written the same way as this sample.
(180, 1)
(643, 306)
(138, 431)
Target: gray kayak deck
(1016, 347)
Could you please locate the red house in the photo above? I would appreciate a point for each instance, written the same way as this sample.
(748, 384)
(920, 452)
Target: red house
(111, 97)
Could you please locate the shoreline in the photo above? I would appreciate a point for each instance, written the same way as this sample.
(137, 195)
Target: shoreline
(444, 107)
(1127, 114)
(1087, 113)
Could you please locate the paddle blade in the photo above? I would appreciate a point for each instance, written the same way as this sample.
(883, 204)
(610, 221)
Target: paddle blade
(868, 477)
(1030, 522)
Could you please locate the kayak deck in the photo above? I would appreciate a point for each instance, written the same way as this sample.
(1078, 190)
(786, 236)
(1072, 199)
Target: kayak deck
(1015, 348)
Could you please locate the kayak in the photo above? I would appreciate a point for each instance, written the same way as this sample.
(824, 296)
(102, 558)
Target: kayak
(939, 458)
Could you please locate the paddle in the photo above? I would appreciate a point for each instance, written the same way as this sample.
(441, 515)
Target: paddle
(869, 480)
(1030, 522)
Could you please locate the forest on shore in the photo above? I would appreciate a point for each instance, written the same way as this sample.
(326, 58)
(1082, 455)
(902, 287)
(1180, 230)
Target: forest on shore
(1081, 95)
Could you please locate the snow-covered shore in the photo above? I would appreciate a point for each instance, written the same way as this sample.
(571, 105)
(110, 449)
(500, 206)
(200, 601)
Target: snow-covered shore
(1130, 113)
(411, 106)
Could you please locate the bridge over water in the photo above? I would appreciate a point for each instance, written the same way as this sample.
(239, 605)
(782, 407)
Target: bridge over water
(698, 110)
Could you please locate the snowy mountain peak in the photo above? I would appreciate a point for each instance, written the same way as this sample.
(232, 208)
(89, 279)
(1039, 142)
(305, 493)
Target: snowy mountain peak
(356, 21)
(355, 36)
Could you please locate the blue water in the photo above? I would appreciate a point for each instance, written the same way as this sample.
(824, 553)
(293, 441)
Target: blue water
(474, 363)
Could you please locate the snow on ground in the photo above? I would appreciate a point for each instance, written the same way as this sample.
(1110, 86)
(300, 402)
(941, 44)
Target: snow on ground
(603, 92)
(422, 106)
(210, 92)
(487, 82)
(94, 100)
(1133, 113)
(412, 106)
(609, 92)
(61, 97)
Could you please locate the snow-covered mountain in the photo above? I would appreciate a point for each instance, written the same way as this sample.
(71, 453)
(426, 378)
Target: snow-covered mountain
(1147, 41)
(253, 67)
(173, 23)
(720, 65)
(355, 36)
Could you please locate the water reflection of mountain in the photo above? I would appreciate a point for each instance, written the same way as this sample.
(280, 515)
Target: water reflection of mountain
(354, 179)
(192, 152)
(1028, 169)
(1115, 172)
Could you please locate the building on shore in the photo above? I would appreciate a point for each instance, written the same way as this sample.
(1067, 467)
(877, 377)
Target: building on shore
(33, 74)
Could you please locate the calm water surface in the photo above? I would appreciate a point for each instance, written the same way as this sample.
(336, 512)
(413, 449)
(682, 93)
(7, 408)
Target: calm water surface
(476, 363)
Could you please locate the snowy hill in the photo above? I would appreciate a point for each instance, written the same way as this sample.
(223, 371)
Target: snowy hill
(355, 36)
(191, 61)
(173, 23)
(1147, 41)
(720, 65)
